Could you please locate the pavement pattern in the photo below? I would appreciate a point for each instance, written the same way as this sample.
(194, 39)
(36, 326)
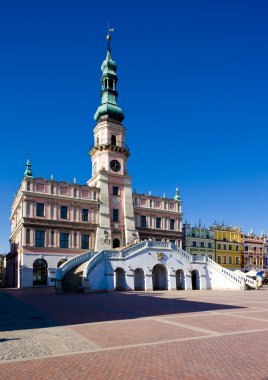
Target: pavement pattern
(133, 335)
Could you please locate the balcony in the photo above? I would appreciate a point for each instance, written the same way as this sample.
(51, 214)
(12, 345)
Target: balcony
(107, 145)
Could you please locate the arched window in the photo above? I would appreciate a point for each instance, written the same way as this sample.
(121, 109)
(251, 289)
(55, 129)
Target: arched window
(40, 272)
(113, 140)
(111, 84)
(116, 243)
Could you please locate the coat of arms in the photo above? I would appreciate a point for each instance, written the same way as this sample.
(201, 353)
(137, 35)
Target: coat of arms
(160, 255)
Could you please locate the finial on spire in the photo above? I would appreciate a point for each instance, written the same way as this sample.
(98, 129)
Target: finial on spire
(177, 195)
(108, 38)
(28, 171)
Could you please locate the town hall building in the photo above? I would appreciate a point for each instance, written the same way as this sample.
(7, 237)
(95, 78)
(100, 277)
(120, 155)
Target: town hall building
(101, 235)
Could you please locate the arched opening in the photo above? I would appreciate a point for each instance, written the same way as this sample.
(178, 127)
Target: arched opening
(120, 279)
(195, 280)
(113, 140)
(111, 84)
(180, 284)
(139, 279)
(116, 243)
(40, 272)
(62, 261)
(159, 277)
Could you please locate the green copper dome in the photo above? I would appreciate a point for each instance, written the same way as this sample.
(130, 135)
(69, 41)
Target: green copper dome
(109, 106)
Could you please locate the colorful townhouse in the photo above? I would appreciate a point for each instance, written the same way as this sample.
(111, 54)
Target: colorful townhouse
(198, 240)
(254, 252)
(228, 246)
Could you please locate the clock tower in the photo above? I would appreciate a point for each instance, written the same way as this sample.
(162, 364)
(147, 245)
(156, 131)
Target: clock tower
(109, 156)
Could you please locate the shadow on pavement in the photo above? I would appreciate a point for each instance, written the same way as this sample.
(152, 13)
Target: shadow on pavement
(39, 308)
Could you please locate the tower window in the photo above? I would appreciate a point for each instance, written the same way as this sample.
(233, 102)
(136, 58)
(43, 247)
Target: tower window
(158, 222)
(115, 215)
(113, 140)
(172, 224)
(115, 190)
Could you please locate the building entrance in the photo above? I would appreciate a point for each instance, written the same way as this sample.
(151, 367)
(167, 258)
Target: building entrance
(40, 272)
(159, 277)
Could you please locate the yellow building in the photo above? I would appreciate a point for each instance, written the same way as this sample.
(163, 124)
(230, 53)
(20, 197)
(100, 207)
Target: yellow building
(228, 246)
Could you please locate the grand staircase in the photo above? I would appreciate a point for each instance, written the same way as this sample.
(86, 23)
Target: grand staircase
(73, 275)
(73, 281)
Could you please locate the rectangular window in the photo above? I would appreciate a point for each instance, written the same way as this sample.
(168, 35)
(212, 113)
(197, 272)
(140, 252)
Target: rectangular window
(237, 260)
(219, 246)
(158, 222)
(202, 244)
(52, 189)
(28, 186)
(40, 209)
(75, 192)
(63, 212)
(236, 247)
(219, 259)
(28, 236)
(52, 237)
(230, 260)
(230, 247)
(209, 245)
(143, 221)
(224, 247)
(39, 238)
(64, 240)
(172, 224)
(115, 190)
(75, 239)
(84, 241)
(115, 215)
(224, 260)
(194, 243)
(84, 214)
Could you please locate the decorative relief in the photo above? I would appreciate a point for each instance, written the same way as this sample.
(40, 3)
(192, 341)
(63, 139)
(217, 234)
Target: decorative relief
(160, 255)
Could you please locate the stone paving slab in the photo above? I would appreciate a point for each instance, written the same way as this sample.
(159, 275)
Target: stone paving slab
(141, 336)
(121, 333)
(214, 358)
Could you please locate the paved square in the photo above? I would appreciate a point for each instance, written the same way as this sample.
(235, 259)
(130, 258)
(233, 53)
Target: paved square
(133, 335)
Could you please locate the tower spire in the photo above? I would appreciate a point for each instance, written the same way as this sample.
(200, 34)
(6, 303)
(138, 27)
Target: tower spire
(109, 106)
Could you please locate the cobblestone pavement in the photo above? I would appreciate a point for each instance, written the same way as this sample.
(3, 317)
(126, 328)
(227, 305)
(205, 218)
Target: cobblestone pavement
(134, 335)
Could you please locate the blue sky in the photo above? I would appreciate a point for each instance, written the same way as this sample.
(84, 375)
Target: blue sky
(193, 85)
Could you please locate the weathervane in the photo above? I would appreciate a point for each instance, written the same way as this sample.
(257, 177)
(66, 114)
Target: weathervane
(108, 37)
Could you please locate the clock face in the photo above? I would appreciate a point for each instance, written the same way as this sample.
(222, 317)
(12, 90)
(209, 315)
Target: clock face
(115, 165)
